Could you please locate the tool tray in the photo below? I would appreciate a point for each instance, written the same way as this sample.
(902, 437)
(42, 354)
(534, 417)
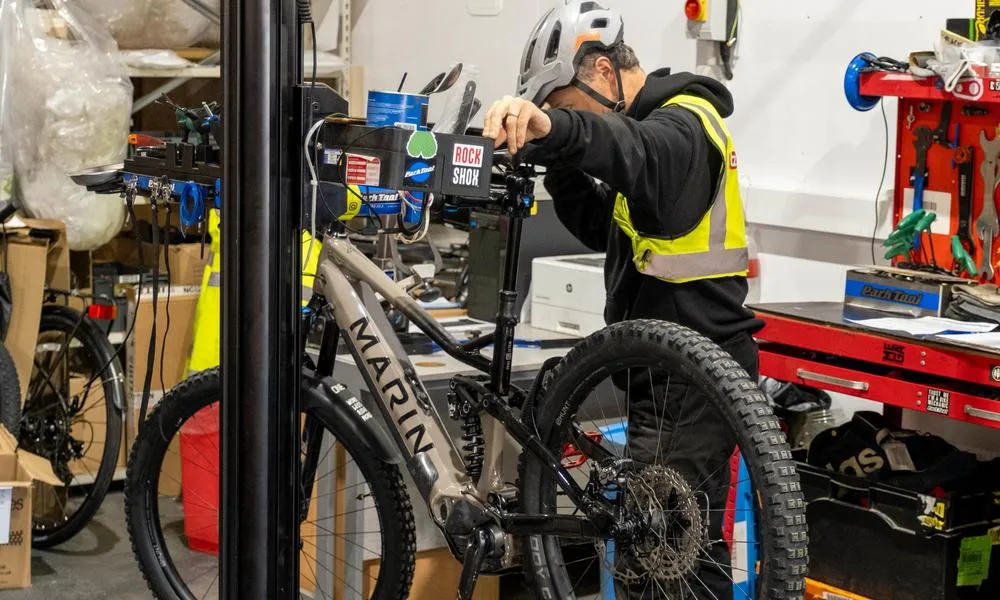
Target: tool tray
(858, 528)
(402, 159)
(901, 509)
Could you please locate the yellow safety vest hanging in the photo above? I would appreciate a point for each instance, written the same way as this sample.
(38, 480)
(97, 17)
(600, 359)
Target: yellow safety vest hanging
(205, 351)
(717, 246)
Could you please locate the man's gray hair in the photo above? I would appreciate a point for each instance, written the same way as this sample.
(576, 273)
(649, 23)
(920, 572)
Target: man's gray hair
(621, 54)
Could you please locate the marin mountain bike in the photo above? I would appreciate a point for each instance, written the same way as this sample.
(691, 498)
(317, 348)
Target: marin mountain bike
(581, 517)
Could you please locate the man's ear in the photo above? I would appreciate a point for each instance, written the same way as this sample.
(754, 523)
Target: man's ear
(606, 69)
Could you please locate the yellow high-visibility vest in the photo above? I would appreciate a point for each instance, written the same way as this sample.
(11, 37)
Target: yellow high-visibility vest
(717, 246)
(205, 351)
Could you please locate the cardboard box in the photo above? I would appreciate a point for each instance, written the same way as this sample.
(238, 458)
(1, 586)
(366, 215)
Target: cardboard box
(18, 471)
(86, 429)
(38, 255)
(186, 261)
(179, 337)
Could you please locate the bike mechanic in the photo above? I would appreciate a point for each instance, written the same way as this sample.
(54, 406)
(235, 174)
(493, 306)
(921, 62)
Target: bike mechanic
(642, 168)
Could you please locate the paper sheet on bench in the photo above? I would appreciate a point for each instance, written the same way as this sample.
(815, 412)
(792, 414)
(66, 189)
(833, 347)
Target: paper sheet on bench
(925, 325)
(986, 340)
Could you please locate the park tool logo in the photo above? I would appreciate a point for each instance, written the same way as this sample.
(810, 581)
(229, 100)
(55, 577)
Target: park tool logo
(422, 144)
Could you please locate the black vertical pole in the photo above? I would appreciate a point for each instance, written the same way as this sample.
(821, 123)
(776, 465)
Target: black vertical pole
(262, 61)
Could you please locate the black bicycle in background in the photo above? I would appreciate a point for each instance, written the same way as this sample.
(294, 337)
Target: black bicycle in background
(72, 409)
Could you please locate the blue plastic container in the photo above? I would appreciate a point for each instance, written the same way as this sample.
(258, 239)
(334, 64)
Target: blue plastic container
(395, 109)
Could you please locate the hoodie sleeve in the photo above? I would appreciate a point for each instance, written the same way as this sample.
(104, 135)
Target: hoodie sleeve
(582, 205)
(634, 157)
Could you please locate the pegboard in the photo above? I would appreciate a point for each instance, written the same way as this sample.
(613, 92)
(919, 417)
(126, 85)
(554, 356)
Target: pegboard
(941, 190)
(922, 105)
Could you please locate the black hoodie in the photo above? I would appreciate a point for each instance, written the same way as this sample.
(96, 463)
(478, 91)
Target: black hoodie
(663, 162)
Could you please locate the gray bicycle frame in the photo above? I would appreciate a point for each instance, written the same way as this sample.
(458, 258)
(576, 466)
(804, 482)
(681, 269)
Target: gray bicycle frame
(430, 454)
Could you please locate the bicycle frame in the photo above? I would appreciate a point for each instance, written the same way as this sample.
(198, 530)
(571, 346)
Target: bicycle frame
(431, 456)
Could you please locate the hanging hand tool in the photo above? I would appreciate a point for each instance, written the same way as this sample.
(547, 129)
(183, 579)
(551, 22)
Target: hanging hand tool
(923, 143)
(925, 137)
(963, 262)
(965, 161)
(900, 241)
(987, 225)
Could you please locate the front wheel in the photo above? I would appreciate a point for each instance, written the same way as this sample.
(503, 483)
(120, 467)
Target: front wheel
(668, 428)
(356, 532)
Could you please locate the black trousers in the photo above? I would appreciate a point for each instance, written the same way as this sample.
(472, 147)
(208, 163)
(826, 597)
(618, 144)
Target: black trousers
(676, 425)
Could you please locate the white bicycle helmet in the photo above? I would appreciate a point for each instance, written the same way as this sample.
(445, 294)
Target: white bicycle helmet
(558, 43)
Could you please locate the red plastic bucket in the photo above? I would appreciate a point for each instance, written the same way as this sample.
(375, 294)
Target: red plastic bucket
(200, 479)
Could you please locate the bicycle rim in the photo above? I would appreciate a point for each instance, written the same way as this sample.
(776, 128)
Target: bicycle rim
(172, 499)
(680, 457)
(72, 417)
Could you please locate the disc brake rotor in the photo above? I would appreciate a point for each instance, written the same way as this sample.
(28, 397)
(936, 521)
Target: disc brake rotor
(668, 547)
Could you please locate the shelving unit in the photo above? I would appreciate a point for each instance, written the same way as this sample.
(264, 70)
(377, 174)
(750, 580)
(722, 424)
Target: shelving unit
(330, 66)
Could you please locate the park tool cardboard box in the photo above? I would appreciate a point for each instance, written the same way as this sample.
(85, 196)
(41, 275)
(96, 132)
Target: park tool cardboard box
(18, 471)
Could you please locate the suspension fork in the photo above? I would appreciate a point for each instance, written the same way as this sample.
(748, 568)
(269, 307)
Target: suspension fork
(312, 433)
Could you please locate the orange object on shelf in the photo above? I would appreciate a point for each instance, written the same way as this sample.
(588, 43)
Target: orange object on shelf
(816, 590)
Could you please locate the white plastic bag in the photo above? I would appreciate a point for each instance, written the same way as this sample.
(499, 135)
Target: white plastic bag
(67, 108)
(142, 24)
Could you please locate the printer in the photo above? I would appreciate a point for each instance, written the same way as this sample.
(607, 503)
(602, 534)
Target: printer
(567, 294)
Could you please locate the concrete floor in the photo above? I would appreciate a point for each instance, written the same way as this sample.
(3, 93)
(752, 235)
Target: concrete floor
(94, 565)
(98, 564)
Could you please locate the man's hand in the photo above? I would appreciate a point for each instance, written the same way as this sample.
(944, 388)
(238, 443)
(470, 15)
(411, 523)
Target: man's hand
(517, 122)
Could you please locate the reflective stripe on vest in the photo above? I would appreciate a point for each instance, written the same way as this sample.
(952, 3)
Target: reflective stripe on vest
(717, 246)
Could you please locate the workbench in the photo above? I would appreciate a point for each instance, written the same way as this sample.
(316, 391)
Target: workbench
(816, 344)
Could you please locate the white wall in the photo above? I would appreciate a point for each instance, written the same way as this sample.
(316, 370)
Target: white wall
(810, 163)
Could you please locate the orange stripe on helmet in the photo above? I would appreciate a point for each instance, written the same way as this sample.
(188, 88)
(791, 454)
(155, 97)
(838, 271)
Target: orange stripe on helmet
(593, 36)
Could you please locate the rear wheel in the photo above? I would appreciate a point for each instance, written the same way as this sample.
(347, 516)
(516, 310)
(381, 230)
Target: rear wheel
(357, 534)
(10, 392)
(73, 417)
(657, 419)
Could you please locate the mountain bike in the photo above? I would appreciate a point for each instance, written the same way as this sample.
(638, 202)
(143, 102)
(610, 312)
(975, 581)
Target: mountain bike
(72, 415)
(72, 411)
(581, 517)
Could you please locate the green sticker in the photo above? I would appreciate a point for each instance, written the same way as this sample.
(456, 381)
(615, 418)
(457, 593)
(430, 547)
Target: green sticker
(422, 144)
(974, 560)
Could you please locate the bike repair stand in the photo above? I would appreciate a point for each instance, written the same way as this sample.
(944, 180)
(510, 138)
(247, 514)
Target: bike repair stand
(262, 60)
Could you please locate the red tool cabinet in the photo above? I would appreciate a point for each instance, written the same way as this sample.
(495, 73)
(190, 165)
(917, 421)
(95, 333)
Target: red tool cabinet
(814, 344)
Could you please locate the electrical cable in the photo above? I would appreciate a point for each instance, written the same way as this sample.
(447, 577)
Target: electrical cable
(881, 181)
(166, 330)
(313, 182)
(130, 208)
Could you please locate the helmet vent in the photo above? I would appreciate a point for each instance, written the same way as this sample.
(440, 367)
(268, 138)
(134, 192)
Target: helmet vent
(586, 7)
(552, 50)
(528, 55)
(599, 24)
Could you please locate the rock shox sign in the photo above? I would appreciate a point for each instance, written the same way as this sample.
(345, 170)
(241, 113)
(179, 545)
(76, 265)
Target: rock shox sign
(467, 161)
(468, 155)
